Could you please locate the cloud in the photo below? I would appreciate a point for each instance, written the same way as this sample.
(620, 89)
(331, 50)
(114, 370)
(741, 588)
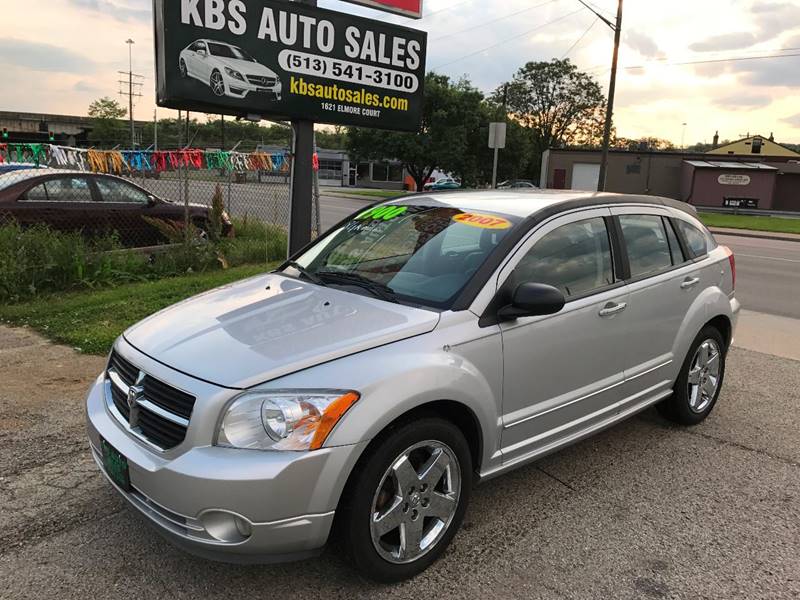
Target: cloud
(770, 72)
(773, 18)
(794, 120)
(84, 86)
(726, 41)
(743, 101)
(120, 12)
(643, 45)
(42, 57)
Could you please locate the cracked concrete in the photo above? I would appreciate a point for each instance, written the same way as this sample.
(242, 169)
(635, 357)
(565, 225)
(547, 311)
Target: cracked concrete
(643, 510)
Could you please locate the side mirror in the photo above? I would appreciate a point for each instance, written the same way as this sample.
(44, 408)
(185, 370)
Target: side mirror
(151, 201)
(202, 53)
(531, 300)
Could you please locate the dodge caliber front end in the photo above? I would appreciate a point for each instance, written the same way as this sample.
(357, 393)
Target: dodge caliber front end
(181, 451)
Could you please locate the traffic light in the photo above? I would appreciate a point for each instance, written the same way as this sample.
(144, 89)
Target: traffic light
(5, 133)
(51, 136)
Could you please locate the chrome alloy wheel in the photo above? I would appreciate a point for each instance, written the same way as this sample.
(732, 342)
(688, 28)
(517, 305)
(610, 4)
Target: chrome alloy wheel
(703, 378)
(217, 84)
(415, 502)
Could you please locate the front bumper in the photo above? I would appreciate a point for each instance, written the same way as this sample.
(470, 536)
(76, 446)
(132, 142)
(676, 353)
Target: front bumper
(286, 499)
(240, 89)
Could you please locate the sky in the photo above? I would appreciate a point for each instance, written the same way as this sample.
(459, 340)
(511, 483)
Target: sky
(57, 56)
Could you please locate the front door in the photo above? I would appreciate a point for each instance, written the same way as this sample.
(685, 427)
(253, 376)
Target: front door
(563, 373)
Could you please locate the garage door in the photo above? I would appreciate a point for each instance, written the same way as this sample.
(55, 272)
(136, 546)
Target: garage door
(585, 176)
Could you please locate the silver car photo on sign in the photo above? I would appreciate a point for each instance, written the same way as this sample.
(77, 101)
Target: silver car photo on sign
(228, 70)
(419, 347)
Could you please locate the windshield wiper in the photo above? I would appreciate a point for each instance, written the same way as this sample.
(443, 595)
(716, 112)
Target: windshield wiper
(305, 272)
(377, 289)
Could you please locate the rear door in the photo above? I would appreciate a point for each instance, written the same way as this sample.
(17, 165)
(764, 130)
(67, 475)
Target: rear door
(563, 373)
(663, 283)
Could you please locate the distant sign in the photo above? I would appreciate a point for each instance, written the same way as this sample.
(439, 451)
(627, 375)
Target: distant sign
(732, 179)
(497, 135)
(409, 8)
(283, 60)
(740, 202)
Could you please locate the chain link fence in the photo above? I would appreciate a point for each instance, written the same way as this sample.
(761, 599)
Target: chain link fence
(146, 198)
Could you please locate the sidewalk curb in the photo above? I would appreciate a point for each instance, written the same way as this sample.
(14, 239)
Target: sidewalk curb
(754, 234)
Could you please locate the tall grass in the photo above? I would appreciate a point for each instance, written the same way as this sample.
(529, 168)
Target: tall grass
(37, 260)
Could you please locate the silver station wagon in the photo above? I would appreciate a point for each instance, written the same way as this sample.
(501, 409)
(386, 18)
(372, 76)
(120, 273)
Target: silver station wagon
(417, 348)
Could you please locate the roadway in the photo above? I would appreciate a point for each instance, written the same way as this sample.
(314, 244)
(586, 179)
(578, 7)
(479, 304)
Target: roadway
(767, 274)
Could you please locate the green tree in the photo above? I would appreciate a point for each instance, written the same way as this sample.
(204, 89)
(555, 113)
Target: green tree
(447, 138)
(557, 104)
(108, 128)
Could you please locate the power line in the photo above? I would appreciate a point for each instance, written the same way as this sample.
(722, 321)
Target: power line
(484, 23)
(578, 41)
(505, 41)
(598, 14)
(446, 8)
(704, 62)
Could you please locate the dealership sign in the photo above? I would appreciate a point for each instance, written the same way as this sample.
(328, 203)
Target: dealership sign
(409, 8)
(284, 60)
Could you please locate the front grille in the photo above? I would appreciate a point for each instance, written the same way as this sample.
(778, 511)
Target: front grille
(259, 80)
(149, 424)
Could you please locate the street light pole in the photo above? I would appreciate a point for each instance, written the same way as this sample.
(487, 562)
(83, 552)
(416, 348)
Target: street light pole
(130, 43)
(617, 27)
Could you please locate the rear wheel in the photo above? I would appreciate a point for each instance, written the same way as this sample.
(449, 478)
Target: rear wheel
(407, 500)
(699, 381)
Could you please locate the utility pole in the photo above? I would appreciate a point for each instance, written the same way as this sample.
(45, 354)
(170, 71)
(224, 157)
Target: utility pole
(612, 85)
(302, 176)
(187, 129)
(223, 131)
(155, 129)
(131, 84)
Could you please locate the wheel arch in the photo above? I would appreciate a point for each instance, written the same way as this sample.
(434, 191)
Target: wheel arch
(722, 324)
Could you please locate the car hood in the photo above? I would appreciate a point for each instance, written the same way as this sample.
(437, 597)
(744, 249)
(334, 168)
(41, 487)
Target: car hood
(246, 67)
(267, 326)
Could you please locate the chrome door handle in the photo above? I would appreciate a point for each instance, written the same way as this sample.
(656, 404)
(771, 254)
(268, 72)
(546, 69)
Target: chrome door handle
(612, 308)
(689, 282)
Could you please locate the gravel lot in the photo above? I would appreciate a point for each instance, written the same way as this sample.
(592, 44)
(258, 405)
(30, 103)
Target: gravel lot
(644, 510)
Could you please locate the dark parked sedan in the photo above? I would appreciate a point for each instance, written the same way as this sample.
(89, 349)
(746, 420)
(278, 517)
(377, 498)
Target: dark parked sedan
(94, 204)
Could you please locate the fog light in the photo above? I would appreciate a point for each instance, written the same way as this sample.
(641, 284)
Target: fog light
(225, 526)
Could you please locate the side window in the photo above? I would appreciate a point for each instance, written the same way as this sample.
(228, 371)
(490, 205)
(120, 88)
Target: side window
(674, 245)
(65, 189)
(575, 258)
(37, 193)
(696, 240)
(646, 242)
(112, 190)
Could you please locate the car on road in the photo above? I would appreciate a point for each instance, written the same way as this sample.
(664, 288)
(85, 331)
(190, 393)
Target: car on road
(228, 70)
(515, 184)
(445, 183)
(419, 347)
(95, 204)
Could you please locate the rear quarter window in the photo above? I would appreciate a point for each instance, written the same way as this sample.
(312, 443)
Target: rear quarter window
(698, 242)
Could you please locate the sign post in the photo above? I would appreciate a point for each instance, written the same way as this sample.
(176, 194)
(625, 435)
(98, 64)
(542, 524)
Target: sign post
(497, 140)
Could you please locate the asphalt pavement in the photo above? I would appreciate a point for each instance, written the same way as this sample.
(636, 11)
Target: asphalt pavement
(643, 510)
(767, 274)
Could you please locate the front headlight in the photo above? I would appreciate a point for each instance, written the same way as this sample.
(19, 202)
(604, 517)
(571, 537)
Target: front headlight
(283, 419)
(234, 73)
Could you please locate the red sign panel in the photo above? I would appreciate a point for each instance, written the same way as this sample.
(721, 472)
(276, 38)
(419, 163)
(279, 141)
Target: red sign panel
(408, 8)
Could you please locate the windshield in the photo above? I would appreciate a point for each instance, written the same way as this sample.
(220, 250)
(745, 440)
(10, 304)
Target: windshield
(226, 51)
(422, 255)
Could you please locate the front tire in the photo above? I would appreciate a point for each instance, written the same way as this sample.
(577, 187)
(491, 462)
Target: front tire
(217, 83)
(407, 499)
(700, 380)
(182, 67)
